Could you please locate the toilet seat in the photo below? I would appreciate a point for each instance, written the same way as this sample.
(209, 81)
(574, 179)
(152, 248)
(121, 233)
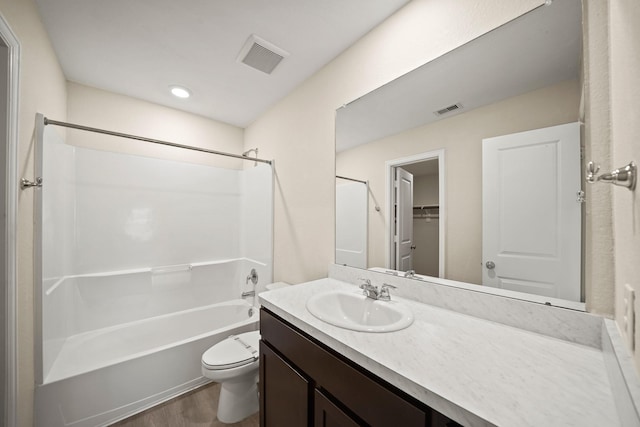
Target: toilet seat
(233, 352)
(234, 362)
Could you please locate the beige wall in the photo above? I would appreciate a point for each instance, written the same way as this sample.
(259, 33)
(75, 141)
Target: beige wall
(42, 89)
(599, 254)
(299, 130)
(106, 110)
(461, 137)
(624, 16)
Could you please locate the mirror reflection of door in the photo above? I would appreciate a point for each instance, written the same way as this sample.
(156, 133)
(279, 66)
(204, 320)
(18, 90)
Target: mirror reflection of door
(403, 220)
(531, 212)
(417, 218)
(351, 222)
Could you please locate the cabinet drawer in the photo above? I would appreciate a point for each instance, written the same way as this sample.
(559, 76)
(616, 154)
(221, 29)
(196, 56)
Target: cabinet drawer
(370, 398)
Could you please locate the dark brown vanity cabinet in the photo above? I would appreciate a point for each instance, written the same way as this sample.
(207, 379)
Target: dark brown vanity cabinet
(304, 383)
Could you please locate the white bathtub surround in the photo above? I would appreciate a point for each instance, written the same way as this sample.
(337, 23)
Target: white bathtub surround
(99, 348)
(105, 211)
(141, 264)
(476, 371)
(103, 376)
(82, 308)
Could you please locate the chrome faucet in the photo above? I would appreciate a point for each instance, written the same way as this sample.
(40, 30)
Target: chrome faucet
(410, 273)
(253, 278)
(371, 291)
(384, 294)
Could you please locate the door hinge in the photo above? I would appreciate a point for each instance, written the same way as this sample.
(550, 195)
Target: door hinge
(580, 197)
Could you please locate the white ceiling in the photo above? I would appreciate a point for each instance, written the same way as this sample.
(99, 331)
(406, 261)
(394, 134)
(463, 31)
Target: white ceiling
(139, 48)
(539, 49)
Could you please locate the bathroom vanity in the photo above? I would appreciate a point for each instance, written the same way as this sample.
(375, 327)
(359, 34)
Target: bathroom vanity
(467, 359)
(304, 382)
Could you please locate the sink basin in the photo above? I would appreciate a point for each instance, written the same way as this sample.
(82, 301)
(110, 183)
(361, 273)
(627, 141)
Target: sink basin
(352, 310)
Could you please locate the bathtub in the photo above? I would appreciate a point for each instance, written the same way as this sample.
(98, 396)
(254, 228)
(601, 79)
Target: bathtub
(104, 375)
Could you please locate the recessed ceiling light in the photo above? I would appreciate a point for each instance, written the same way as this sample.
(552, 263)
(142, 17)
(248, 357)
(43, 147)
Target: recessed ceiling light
(180, 92)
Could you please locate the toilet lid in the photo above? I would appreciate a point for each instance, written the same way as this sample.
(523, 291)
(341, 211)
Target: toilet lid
(237, 350)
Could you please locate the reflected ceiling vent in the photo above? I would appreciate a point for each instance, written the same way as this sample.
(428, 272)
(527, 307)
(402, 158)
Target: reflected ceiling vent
(261, 55)
(449, 109)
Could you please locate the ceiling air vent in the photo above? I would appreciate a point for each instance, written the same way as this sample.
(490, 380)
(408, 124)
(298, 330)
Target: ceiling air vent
(448, 109)
(261, 55)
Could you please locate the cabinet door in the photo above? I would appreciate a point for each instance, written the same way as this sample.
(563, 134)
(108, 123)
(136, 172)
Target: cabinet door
(439, 420)
(327, 414)
(284, 393)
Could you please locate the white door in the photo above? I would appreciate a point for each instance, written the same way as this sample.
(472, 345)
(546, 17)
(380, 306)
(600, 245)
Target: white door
(404, 220)
(531, 216)
(351, 224)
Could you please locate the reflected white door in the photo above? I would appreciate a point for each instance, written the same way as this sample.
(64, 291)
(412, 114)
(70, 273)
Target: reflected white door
(351, 224)
(404, 220)
(531, 216)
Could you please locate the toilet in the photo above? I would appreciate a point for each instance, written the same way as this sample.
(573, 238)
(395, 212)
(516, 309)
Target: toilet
(233, 362)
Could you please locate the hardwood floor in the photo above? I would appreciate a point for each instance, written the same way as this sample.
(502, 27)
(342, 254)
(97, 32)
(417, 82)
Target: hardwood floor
(196, 408)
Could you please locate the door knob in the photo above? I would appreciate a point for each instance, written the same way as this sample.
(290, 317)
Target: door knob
(490, 265)
(413, 247)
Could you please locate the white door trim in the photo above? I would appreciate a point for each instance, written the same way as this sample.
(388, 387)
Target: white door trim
(11, 177)
(389, 166)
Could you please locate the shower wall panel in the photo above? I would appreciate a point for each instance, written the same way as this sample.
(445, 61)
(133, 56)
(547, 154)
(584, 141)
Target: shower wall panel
(133, 212)
(58, 206)
(257, 215)
(127, 238)
(58, 201)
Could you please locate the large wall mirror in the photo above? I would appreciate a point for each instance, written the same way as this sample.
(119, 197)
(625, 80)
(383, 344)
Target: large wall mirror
(467, 169)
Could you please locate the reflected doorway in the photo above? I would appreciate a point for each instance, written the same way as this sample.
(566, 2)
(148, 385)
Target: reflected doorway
(415, 230)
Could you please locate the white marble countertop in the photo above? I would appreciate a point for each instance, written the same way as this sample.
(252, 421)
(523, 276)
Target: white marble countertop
(475, 371)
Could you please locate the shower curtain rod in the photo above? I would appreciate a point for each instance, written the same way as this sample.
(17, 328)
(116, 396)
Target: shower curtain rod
(154, 141)
(352, 179)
